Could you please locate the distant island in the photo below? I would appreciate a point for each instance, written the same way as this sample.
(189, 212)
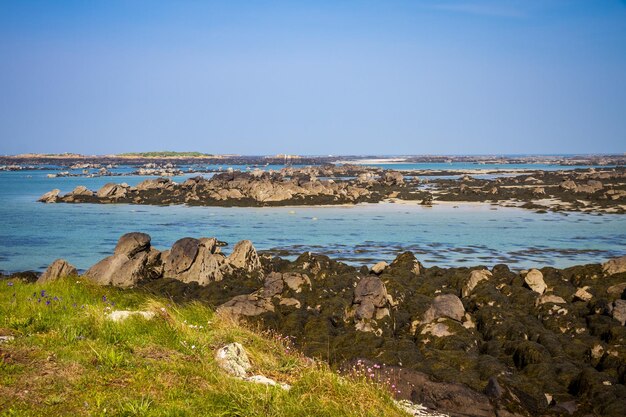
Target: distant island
(165, 154)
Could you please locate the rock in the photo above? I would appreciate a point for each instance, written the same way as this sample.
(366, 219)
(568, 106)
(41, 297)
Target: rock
(582, 294)
(568, 407)
(614, 266)
(619, 311)
(392, 178)
(296, 281)
(550, 298)
(493, 388)
(246, 305)
(416, 410)
(244, 257)
(57, 269)
(568, 185)
(448, 305)
(121, 315)
(534, 280)
(132, 261)
(436, 329)
(6, 339)
(379, 267)
(616, 289)
(475, 277)
(132, 243)
(233, 359)
(50, 196)
(260, 379)
(196, 260)
(112, 191)
(81, 190)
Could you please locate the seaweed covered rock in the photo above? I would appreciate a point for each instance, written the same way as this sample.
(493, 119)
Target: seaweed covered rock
(476, 276)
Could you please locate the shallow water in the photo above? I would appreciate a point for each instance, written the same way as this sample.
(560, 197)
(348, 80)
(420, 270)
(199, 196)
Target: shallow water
(34, 234)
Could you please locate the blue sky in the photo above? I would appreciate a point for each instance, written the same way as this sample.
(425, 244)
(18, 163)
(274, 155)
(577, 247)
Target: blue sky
(323, 77)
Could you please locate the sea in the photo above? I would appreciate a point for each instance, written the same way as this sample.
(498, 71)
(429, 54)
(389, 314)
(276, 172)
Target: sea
(33, 234)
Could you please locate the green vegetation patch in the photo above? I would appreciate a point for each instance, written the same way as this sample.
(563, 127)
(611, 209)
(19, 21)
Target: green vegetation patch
(66, 358)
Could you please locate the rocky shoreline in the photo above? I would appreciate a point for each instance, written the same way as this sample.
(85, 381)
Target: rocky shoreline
(584, 190)
(464, 341)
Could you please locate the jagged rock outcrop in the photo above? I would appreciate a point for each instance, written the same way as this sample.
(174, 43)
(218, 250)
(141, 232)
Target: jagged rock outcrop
(133, 261)
(60, 268)
(244, 257)
(196, 260)
(50, 196)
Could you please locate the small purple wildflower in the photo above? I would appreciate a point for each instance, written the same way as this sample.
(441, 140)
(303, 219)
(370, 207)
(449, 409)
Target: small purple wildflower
(47, 302)
(43, 293)
(56, 298)
(10, 283)
(104, 298)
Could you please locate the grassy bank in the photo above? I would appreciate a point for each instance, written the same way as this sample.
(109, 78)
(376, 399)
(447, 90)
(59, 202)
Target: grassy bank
(66, 358)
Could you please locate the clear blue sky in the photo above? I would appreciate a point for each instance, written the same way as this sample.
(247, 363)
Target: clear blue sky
(319, 77)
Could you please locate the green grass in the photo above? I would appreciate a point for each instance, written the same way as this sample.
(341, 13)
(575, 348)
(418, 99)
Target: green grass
(68, 360)
(166, 154)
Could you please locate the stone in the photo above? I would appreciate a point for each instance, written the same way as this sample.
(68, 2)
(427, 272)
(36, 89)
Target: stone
(614, 266)
(476, 276)
(379, 267)
(582, 294)
(260, 379)
(534, 280)
(132, 261)
(493, 388)
(296, 281)
(121, 315)
(370, 289)
(393, 178)
(436, 329)
(233, 360)
(550, 298)
(196, 260)
(616, 289)
(112, 191)
(50, 196)
(619, 311)
(447, 305)
(245, 257)
(60, 268)
(132, 243)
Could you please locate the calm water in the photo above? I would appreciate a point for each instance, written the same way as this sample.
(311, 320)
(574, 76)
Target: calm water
(34, 234)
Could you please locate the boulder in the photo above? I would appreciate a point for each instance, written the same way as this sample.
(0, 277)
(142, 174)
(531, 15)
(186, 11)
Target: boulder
(447, 305)
(582, 294)
(619, 311)
(244, 257)
(369, 303)
(133, 261)
(550, 298)
(81, 190)
(233, 360)
(379, 267)
(132, 243)
(614, 266)
(50, 196)
(112, 191)
(475, 277)
(196, 260)
(392, 178)
(57, 269)
(534, 280)
(296, 281)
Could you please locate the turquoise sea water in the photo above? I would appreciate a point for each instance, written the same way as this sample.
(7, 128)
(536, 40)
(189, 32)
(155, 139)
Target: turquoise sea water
(34, 234)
